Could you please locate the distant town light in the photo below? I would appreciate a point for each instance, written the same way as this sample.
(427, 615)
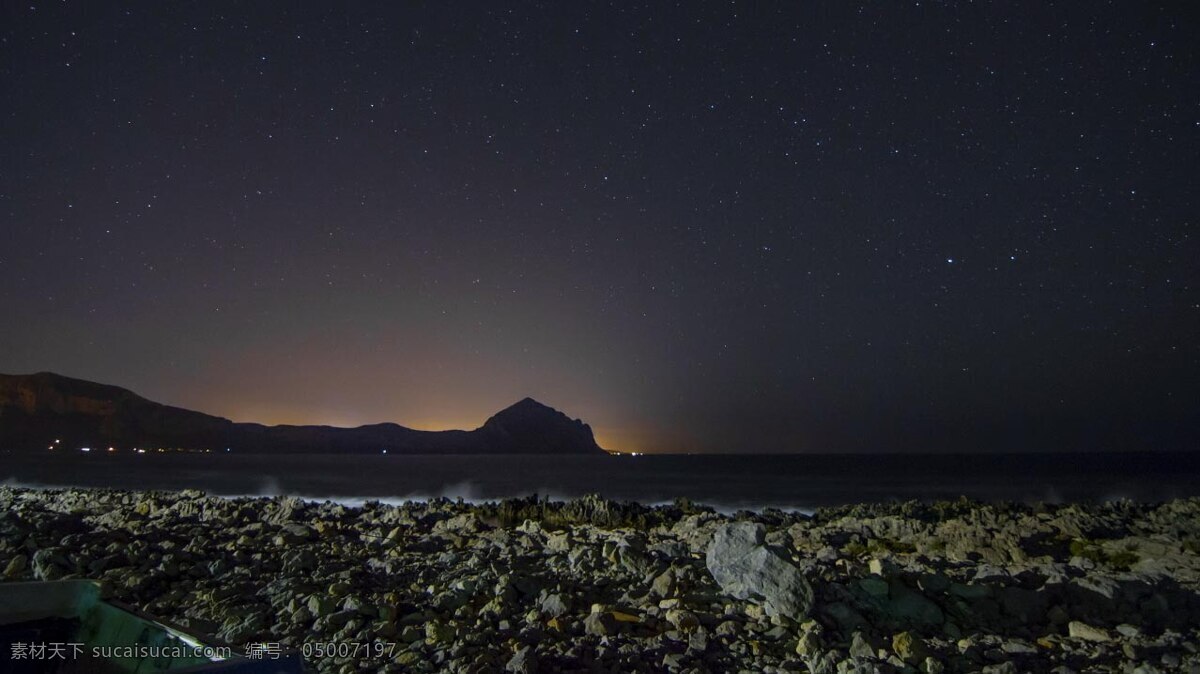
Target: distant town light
(112, 449)
(85, 449)
(385, 451)
(141, 451)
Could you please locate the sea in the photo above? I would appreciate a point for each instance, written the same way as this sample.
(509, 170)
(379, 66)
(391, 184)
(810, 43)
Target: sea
(726, 482)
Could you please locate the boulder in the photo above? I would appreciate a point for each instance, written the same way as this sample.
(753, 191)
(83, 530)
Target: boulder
(746, 568)
(910, 608)
(554, 605)
(524, 661)
(48, 564)
(860, 647)
(16, 566)
(808, 645)
(600, 624)
(1084, 631)
(663, 584)
(684, 621)
(908, 647)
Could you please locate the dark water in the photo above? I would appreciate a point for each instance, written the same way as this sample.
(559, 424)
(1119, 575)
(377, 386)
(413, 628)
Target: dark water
(726, 481)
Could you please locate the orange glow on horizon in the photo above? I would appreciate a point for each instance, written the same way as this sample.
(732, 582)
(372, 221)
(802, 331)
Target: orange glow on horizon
(432, 413)
(348, 421)
(612, 440)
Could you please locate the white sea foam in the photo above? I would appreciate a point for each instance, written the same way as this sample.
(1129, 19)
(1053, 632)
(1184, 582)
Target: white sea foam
(470, 492)
(466, 491)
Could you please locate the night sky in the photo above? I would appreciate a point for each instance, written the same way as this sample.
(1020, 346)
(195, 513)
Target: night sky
(700, 227)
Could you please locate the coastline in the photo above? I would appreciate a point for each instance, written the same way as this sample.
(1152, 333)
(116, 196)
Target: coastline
(595, 585)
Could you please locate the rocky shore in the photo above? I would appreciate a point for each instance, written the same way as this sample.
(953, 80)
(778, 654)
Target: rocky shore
(595, 586)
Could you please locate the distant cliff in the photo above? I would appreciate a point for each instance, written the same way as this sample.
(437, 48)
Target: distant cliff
(37, 409)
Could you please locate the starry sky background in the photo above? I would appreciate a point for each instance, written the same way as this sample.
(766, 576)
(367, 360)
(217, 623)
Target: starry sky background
(748, 227)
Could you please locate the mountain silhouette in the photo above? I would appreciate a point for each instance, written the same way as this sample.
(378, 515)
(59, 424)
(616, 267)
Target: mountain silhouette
(38, 409)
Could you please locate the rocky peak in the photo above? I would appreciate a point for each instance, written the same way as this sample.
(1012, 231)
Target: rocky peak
(528, 425)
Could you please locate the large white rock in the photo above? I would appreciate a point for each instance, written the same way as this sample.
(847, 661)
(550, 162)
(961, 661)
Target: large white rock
(746, 568)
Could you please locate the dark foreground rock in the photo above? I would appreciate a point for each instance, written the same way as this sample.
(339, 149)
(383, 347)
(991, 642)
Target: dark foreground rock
(595, 586)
